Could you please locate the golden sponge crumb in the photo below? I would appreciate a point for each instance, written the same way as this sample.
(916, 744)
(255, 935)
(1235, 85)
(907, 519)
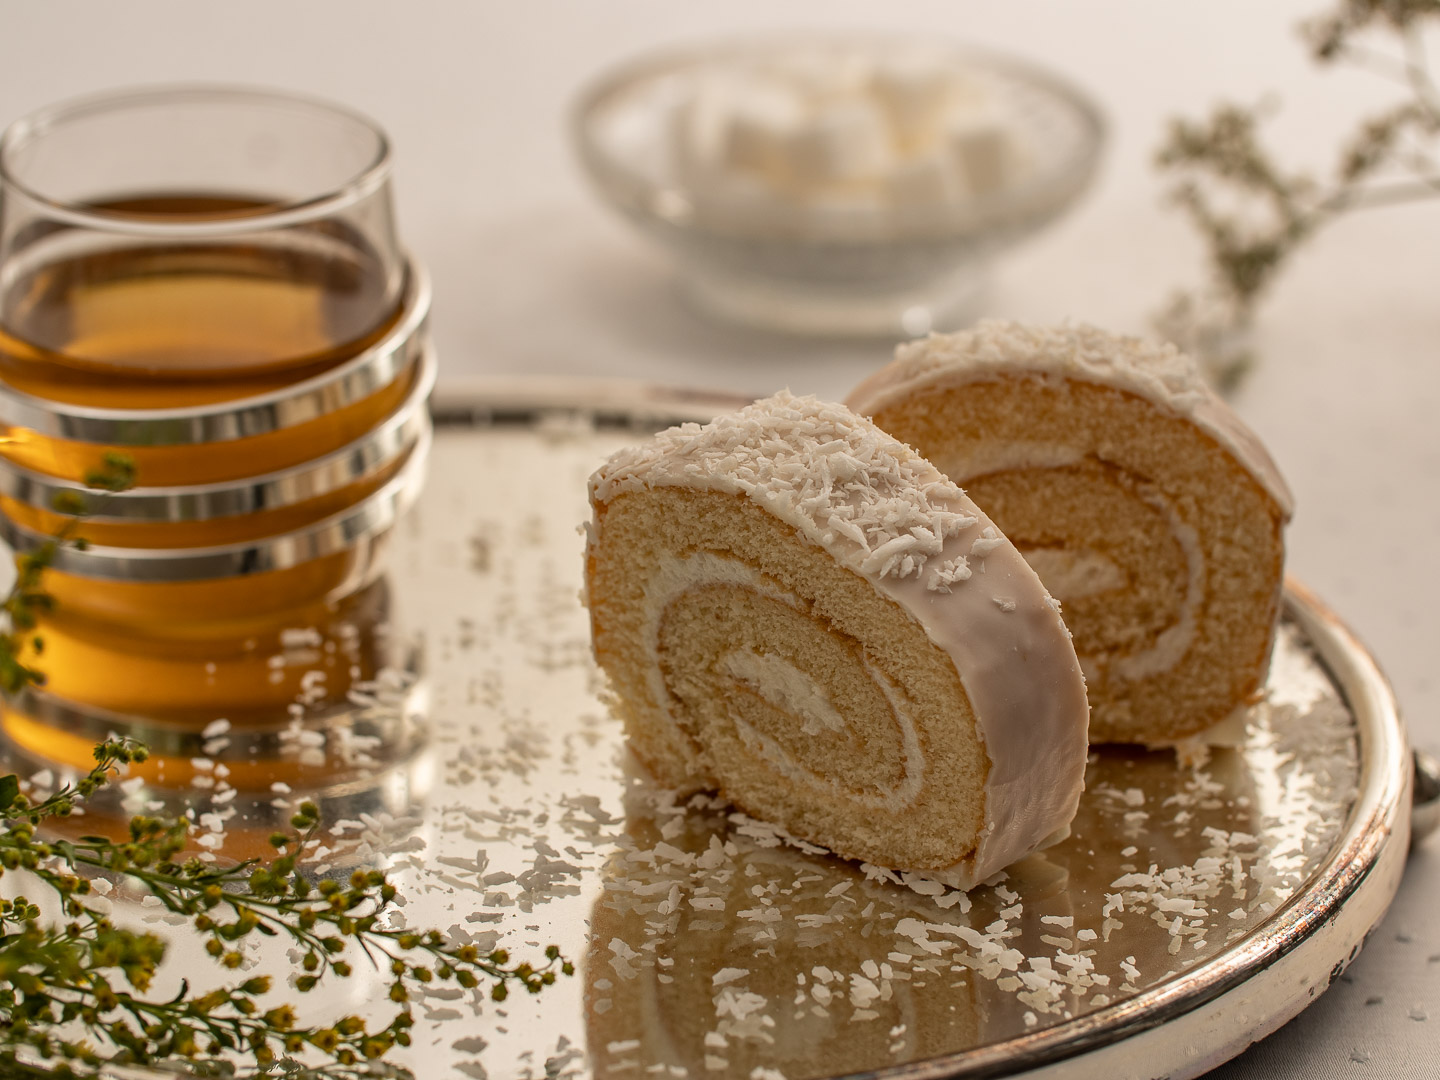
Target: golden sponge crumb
(1165, 552)
(789, 683)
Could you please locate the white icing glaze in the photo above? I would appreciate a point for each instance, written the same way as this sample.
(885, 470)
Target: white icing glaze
(1173, 642)
(888, 515)
(1026, 688)
(1158, 372)
(785, 686)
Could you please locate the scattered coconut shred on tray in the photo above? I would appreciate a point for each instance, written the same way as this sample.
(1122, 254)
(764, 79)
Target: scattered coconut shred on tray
(1232, 877)
(753, 934)
(524, 825)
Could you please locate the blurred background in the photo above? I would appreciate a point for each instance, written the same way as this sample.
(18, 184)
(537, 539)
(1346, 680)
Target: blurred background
(534, 276)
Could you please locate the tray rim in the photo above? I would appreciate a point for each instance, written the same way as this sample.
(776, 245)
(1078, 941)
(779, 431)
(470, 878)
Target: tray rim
(1378, 823)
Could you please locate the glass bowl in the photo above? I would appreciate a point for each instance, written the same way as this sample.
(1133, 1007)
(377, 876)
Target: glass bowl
(845, 263)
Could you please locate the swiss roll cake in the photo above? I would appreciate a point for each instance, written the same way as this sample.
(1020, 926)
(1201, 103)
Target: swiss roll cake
(1150, 511)
(797, 611)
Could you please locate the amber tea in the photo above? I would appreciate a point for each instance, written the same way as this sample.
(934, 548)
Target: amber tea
(151, 326)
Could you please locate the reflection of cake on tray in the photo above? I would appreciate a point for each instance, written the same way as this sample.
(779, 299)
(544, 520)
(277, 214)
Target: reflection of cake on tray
(716, 951)
(799, 612)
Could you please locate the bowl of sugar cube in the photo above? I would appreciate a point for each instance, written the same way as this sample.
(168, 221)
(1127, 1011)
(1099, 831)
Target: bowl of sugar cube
(855, 185)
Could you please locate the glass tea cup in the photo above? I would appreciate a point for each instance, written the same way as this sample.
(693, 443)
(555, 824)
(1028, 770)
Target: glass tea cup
(174, 246)
(209, 280)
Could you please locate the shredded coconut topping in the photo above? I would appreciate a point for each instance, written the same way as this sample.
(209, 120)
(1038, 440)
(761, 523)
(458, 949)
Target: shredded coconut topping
(1157, 370)
(869, 500)
(1153, 370)
(988, 540)
(948, 573)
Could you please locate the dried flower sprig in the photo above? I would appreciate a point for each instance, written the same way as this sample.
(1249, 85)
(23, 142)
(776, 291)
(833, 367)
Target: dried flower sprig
(73, 992)
(1253, 214)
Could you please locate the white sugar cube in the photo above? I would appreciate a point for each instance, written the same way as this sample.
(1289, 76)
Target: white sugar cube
(840, 142)
(762, 125)
(824, 74)
(839, 137)
(918, 92)
(697, 127)
(930, 180)
(980, 145)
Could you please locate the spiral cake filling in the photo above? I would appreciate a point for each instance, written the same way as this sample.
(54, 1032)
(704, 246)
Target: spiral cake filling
(1074, 575)
(782, 714)
(1139, 498)
(1171, 644)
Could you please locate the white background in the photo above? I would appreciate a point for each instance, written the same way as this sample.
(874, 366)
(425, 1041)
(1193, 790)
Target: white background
(533, 276)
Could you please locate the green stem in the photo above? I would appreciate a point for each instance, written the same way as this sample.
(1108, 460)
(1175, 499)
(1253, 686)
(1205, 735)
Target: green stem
(272, 911)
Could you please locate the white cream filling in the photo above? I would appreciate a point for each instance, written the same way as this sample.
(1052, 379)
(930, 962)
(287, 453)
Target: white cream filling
(789, 689)
(786, 687)
(1174, 641)
(1071, 575)
(995, 457)
(776, 680)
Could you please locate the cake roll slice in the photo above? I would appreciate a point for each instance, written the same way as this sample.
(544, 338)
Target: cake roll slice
(796, 610)
(1150, 511)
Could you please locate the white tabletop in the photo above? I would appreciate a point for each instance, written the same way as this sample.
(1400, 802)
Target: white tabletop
(533, 276)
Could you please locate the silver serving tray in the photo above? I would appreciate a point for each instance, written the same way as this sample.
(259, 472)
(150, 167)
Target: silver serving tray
(1193, 910)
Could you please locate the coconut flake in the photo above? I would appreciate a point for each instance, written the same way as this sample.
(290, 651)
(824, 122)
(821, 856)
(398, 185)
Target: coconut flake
(871, 501)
